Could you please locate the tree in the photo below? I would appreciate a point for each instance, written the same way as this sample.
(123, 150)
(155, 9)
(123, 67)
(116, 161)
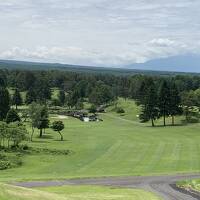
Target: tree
(43, 89)
(17, 99)
(164, 100)
(101, 94)
(61, 97)
(3, 129)
(190, 106)
(13, 132)
(174, 102)
(149, 103)
(30, 96)
(4, 102)
(93, 109)
(42, 121)
(12, 116)
(3, 78)
(17, 133)
(58, 126)
(39, 117)
(72, 99)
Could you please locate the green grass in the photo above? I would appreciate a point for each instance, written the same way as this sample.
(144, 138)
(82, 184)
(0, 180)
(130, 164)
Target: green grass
(118, 146)
(190, 184)
(73, 193)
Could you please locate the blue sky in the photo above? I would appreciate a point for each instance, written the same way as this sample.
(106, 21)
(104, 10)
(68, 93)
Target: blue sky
(98, 32)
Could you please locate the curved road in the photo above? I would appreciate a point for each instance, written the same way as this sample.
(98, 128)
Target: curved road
(161, 185)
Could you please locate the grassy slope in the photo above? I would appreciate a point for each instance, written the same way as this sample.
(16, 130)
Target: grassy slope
(73, 193)
(190, 184)
(115, 147)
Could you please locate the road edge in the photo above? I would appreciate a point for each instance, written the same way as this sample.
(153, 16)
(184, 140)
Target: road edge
(192, 193)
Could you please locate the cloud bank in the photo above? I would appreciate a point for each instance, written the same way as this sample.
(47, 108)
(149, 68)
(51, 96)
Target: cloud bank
(98, 32)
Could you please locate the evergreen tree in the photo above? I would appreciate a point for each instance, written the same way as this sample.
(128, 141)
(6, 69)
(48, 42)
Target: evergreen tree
(3, 79)
(4, 102)
(30, 96)
(149, 104)
(175, 102)
(61, 97)
(43, 120)
(164, 100)
(17, 99)
(72, 99)
(12, 116)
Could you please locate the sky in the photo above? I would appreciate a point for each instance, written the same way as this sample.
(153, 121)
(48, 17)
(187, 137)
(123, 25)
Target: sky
(98, 32)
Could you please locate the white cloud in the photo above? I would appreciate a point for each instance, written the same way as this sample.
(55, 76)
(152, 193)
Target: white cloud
(106, 32)
(162, 42)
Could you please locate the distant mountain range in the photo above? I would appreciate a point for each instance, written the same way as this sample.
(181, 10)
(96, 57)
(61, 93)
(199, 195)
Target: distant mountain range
(164, 66)
(182, 63)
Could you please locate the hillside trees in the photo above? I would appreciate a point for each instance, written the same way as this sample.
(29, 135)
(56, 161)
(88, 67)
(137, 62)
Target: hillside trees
(4, 102)
(101, 94)
(3, 79)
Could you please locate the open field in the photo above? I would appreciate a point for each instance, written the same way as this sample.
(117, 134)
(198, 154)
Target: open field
(114, 147)
(73, 193)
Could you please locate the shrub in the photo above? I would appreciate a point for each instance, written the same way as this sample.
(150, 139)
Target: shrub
(12, 116)
(120, 110)
(4, 164)
(93, 109)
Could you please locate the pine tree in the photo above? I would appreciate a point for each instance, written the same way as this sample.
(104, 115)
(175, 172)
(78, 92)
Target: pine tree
(30, 96)
(164, 100)
(61, 97)
(12, 116)
(17, 99)
(4, 102)
(175, 102)
(149, 104)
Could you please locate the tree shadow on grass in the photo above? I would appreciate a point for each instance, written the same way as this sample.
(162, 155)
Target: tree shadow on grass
(57, 140)
(167, 125)
(37, 141)
(45, 137)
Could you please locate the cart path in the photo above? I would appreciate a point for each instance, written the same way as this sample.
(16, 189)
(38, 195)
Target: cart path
(160, 185)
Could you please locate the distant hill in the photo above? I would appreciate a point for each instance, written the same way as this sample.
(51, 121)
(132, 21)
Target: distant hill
(12, 64)
(182, 63)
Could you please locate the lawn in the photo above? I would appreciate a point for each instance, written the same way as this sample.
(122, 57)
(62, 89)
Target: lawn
(118, 146)
(74, 193)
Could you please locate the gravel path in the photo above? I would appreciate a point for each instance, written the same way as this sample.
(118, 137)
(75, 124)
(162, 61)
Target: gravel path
(163, 186)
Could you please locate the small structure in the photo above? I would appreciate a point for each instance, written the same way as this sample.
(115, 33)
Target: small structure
(86, 119)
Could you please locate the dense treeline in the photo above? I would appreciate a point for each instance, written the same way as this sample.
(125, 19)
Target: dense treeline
(158, 96)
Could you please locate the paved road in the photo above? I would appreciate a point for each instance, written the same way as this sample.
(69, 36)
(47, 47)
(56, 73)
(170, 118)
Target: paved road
(161, 185)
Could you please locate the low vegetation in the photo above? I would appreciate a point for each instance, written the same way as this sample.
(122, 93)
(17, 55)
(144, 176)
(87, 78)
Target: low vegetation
(190, 184)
